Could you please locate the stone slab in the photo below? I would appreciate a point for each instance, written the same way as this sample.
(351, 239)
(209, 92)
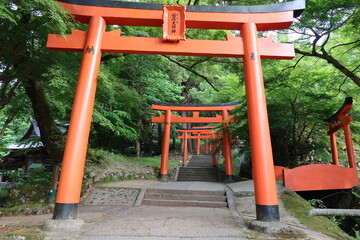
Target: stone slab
(112, 196)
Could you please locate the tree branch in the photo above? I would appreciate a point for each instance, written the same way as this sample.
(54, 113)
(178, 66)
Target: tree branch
(293, 66)
(192, 71)
(343, 44)
(6, 124)
(330, 59)
(10, 94)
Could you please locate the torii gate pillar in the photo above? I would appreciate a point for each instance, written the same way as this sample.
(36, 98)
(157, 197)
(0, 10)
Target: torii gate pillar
(68, 195)
(261, 152)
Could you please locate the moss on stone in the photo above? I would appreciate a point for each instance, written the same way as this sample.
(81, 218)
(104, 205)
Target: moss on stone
(299, 208)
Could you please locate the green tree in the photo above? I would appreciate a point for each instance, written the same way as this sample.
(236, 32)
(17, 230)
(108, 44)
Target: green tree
(24, 59)
(330, 31)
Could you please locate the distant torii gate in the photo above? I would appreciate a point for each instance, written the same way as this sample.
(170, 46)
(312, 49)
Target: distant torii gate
(198, 134)
(201, 133)
(168, 118)
(174, 20)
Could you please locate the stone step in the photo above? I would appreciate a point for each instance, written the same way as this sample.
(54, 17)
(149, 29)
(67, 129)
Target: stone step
(184, 192)
(206, 165)
(187, 169)
(158, 202)
(196, 180)
(197, 171)
(197, 176)
(208, 198)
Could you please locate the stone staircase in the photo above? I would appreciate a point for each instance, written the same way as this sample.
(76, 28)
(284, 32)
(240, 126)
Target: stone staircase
(189, 198)
(197, 174)
(199, 168)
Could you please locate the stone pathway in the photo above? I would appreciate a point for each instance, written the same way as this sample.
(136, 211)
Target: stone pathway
(112, 196)
(149, 222)
(119, 219)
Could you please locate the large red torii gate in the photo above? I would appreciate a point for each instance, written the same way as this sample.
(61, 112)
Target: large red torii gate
(248, 19)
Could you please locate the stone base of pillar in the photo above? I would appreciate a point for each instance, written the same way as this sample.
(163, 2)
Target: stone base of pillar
(229, 178)
(163, 177)
(272, 228)
(69, 225)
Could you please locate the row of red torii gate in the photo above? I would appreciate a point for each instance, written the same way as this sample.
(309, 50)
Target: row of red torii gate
(304, 178)
(201, 132)
(174, 21)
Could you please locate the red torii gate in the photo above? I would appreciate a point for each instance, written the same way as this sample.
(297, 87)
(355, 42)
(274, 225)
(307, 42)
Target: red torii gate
(247, 19)
(168, 118)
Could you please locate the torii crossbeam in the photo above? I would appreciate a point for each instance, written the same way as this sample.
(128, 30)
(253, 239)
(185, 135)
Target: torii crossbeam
(174, 20)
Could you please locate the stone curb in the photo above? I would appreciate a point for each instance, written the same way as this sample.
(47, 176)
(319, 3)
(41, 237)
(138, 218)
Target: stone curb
(140, 197)
(231, 204)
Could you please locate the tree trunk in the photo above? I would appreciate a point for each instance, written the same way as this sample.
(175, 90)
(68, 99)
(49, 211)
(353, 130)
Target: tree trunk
(51, 137)
(138, 148)
(6, 124)
(138, 142)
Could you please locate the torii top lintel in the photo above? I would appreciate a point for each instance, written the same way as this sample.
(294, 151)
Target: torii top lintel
(266, 17)
(195, 108)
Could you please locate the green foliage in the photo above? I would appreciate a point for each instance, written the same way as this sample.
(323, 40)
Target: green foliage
(103, 158)
(317, 203)
(37, 176)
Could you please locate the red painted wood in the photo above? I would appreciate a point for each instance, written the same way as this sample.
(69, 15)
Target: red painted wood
(201, 20)
(113, 42)
(320, 177)
(279, 172)
(178, 119)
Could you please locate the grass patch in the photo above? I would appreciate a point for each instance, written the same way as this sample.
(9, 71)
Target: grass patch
(102, 158)
(299, 207)
(26, 233)
(4, 191)
(151, 161)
